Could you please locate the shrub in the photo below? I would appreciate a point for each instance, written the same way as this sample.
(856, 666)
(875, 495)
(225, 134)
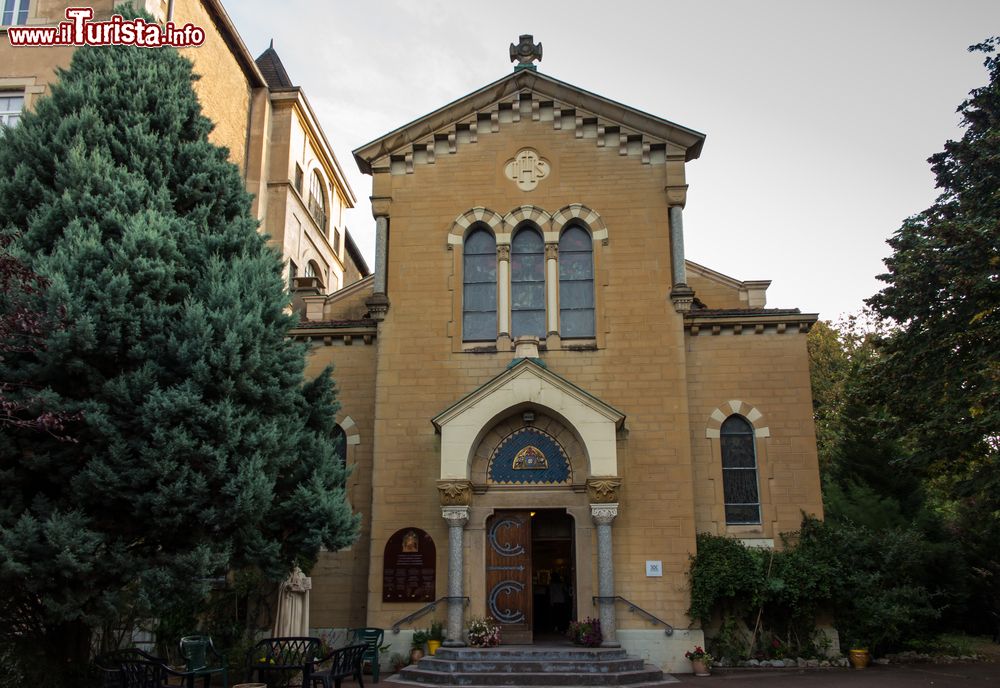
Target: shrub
(586, 632)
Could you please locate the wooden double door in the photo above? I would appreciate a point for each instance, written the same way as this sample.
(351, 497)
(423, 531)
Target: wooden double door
(510, 572)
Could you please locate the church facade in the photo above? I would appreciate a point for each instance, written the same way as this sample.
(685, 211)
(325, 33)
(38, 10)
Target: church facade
(538, 391)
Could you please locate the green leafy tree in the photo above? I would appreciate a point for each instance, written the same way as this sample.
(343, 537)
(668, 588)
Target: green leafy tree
(199, 449)
(941, 368)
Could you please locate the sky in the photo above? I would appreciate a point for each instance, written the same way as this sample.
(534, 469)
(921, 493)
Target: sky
(819, 116)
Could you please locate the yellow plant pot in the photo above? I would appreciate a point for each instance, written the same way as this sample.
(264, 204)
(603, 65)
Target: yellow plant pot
(432, 646)
(859, 658)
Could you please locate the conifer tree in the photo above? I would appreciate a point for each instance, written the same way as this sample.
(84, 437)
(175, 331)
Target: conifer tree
(199, 447)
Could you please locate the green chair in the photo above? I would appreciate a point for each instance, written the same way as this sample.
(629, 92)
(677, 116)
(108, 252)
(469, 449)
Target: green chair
(372, 639)
(202, 659)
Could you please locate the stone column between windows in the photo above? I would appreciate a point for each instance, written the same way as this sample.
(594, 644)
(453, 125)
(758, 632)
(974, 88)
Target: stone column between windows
(677, 244)
(456, 517)
(552, 288)
(503, 289)
(603, 515)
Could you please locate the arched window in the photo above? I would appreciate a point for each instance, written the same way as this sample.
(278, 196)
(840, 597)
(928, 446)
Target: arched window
(340, 446)
(317, 200)
(576, 283)
(527, 284)
(479, 288)
(311, 269)
(739, 471)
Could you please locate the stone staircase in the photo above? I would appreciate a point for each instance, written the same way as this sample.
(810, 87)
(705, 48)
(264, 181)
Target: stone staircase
(531, 665)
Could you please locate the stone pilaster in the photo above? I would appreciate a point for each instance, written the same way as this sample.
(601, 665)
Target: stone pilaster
(681, 294)
(378, 304)
(604, 515)
(456, 517)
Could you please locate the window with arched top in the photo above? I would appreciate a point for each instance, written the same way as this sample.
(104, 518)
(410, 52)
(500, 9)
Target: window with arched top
(479, 286)
(576, 283)
(340, 446)
(527, 283)
(311, 269)
(317, 200)
(739, 471)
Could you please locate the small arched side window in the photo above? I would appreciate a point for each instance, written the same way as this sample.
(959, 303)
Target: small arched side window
(340, 446)
(479, 286)
(317, 200)
(739, 471)
(527, 284)
(576, 283)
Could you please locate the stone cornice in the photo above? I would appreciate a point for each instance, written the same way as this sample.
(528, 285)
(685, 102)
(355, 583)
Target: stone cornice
(749, 322)
(616, 124)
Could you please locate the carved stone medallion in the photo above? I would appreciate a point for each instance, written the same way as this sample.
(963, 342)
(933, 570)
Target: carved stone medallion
(527, 169)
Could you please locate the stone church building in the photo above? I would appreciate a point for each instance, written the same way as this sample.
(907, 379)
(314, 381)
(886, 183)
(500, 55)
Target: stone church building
(539, 390)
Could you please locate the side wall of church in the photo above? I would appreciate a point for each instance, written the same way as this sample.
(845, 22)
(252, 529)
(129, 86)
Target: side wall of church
(769, 374)
(340, 579)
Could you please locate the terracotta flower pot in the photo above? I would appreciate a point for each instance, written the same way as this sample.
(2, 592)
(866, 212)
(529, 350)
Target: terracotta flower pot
(700, 668)
(859, 658)
(416, 654)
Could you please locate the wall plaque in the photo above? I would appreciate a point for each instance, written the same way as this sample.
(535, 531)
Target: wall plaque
(408, 567)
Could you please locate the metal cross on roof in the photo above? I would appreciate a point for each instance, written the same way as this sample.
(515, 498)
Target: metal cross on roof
(525, 52)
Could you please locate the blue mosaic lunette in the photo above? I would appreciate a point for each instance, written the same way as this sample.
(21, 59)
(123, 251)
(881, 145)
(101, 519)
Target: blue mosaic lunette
(502, 469)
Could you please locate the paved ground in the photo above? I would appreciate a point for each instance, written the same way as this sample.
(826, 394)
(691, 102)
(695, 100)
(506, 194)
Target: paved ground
(891, 676)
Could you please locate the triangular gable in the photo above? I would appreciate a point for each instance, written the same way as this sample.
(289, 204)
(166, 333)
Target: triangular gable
(465, 422)
(486, 104)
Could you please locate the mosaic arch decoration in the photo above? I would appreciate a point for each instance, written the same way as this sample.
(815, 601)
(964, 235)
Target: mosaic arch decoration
(529, 456)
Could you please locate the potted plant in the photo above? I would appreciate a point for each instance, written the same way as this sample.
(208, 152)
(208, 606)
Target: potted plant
(586, 632)
(701, 661)
(484, 633)
(397, 661)
(435, 636)
(858, 654)
(417, 645)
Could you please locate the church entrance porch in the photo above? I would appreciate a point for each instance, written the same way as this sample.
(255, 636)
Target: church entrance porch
(530, 573)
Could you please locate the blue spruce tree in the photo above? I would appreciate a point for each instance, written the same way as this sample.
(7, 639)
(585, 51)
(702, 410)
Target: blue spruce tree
(199, 448)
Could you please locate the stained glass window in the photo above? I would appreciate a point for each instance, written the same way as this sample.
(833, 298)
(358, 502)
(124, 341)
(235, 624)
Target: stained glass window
(479, 289)
(739, 471)
(527, 284)
(576, 283)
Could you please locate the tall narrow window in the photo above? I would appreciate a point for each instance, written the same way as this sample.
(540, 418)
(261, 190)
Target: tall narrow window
(15, 12)
(576, 283)
(293, 272)
(479, 292)
(317, 200)
(11, 105)
(340, 446)
(527, 284)
(739, 471)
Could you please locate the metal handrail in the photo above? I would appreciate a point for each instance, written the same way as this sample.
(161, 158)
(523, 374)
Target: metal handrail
(426, 609)
(633, 607)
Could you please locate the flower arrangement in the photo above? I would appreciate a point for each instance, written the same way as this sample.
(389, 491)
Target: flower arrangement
(698, 654)
(586, 632)
(484, 633)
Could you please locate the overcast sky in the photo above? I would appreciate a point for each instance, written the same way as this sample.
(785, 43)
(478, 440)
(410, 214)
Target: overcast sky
(820, 116)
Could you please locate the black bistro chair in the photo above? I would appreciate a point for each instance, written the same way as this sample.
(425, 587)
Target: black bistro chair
(274, 660)
(345, 662)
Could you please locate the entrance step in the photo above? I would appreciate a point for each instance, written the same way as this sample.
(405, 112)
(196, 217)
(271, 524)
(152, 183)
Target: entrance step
(564, 666)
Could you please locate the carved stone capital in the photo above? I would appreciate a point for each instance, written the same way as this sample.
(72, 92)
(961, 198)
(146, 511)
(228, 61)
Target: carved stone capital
(503, 251)
(603, 514)
(551, 251)
(380, 205)
(603, 490)
(456, 516)
(677, 194)
(455, 492)
(682, 297)
(378, 306)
